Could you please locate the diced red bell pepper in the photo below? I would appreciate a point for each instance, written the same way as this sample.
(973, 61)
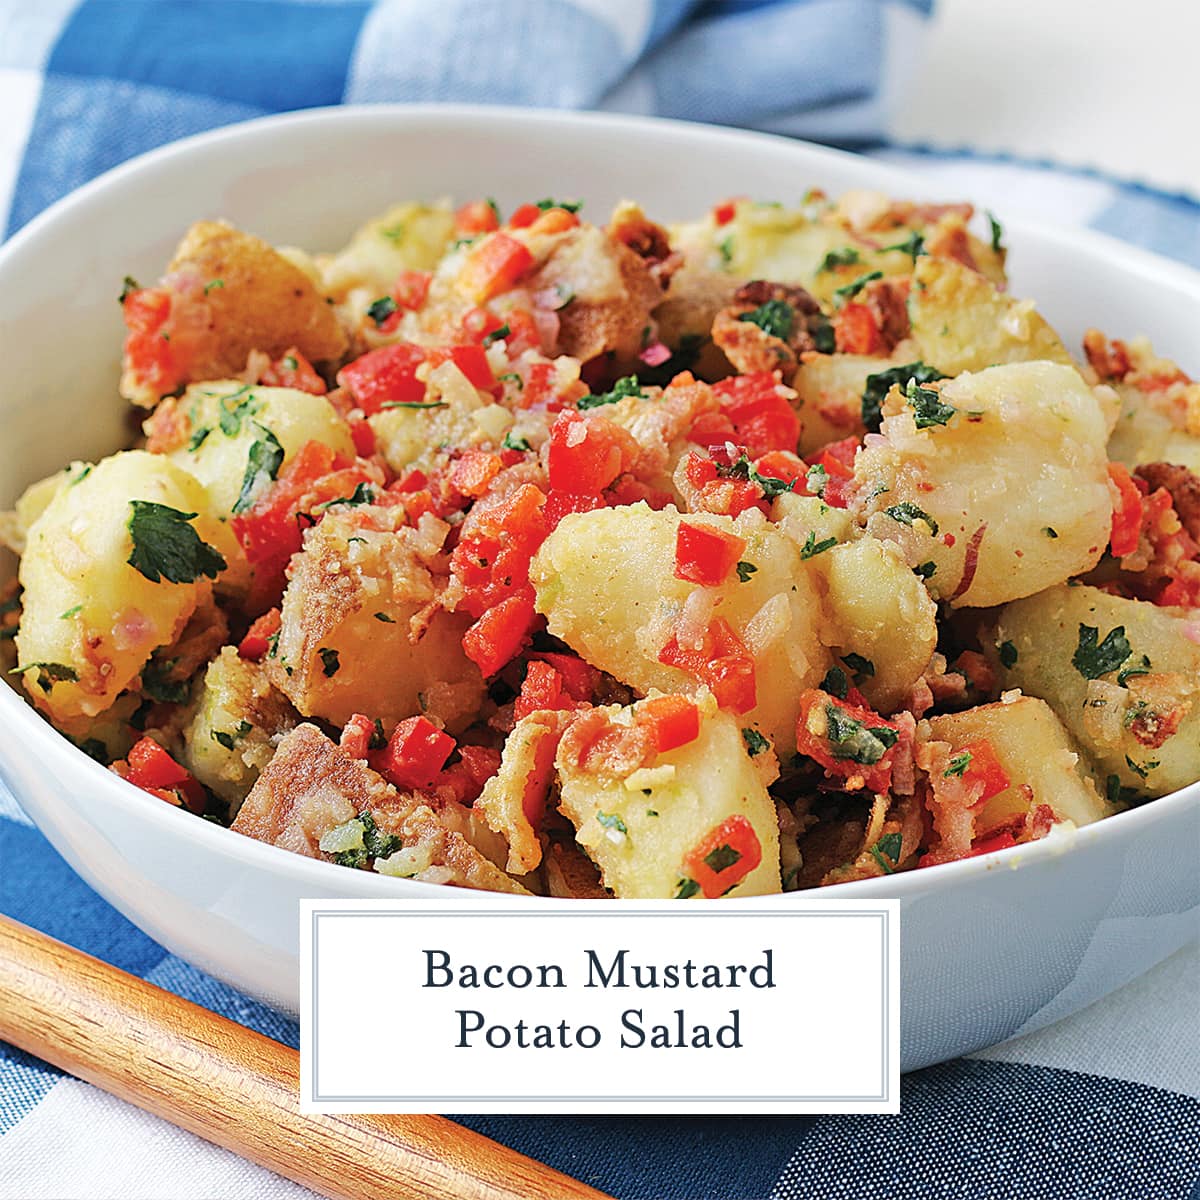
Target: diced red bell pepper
(542, 690)
(523, 216)
(356, 736)
(387, 375)
(849, 740)
(149, 353)
(726, 210)
(705, 555)
(523, 333)
(984, 768)
(473, 473)
(781, 464)
(712, 429)
(587, 453)
(293, 370)
(494, 266)
(724, 857)
(472, 361)
(762, 419)
(838, 461)
(257, 642)
(411, 288)
(154, 770)
(722, 663)
(476, 323)
(466, 778)
(363, 437)
(856, 331)
(415, 753)
(491, 560)
(1127, 512)
(476, 216)
(500, 634)
(1001, 841)
(673, 721)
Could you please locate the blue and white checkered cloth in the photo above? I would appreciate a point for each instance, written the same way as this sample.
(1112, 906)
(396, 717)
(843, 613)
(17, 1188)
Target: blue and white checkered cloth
(1102, 1105)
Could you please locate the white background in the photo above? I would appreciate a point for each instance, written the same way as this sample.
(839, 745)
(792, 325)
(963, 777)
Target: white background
(828, 971)
(1109, 84)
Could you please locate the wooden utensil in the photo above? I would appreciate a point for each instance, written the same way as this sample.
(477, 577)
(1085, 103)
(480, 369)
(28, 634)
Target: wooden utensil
(239, 1089)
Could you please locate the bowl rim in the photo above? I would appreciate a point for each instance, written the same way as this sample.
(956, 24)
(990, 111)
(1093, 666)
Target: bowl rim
(23, 726)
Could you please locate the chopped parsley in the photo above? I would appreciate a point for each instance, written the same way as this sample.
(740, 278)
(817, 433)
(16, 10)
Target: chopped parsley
(812, 547)
(1094, 658)
(908, 513)
(849, 738)
(371, 843)
(515, 443)
(1141, 769)
(745, 570)
(824, 339)
(722, 858)
(83, 474)
(997, 233)
(382, 616)
(1050, 531)
(879, 384)
(414, 404)
(959, 766)
(817, 480)
(49, 673)
(725, 249)
(612, 821)
(836, 683)
(71, 612)
(572, 206)
(886, 852)
(685, 889)
(1008, 654)
(158, 684)
(913, 245)
(128, 286)
(926, 570)
(755, 742)
(928, 406)
(229, 740)
(198, 436)
(363, 493)
(262, 465)
(844, 256)
(166, 546)
(623, 388)
(497, 335)
(1117, 794)
(1125, 672)
(380, 310)
(862, 667)
(235, 408)
(849, 290)
(775, 317)
(329, 660)
(213, 285)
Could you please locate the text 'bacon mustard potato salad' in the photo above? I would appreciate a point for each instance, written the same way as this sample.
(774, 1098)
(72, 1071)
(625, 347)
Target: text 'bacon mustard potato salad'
(781, 548)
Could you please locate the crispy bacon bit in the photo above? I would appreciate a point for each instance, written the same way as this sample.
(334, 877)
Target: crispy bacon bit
(1184, 488)
(1110, 360)
(598, 746)
(751, 348)
(887, 300)
(949, 239)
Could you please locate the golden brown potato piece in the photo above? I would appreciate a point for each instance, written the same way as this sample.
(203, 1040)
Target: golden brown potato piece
(309, 787)
(264, 302)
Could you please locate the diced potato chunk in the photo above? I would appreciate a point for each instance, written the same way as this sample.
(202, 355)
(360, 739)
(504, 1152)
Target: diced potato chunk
(960, 322)
(880, 611)
(640, 829)
(235, 718)
(347, 640)
(227, 417)
(606, 582)
(91, 619)
(1035, 750)
(1139, 719)
(1006, 497)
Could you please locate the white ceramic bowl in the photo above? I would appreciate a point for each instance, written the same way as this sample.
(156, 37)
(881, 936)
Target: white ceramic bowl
(992, 946)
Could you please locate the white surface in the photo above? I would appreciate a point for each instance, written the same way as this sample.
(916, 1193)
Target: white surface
(1093, 83)
(993, 945)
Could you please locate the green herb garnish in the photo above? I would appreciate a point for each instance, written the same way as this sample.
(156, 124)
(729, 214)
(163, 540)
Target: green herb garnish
(926, 570)
(745, 570)
(379, 310)
(329, 660)
(262, 466)
(1008, 654)
(497, 335)
(515, 443)
(928, 406)
(685, 889)
(997, 233)
(812, 547)
(755, 742)
(612, 821)
(849, 290)
(908, 513)
(850, 739)
(836, 683)
(623, 388)
(959, 765)
(879, 384)
(1093, 659)
(886, 852)
(128, 285)
(845, 256)
(913, 245)
(165, 546)
(775, 317)
(722, 858)
(414, 404)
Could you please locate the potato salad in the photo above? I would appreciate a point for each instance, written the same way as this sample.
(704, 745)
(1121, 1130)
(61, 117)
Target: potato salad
(779, 548)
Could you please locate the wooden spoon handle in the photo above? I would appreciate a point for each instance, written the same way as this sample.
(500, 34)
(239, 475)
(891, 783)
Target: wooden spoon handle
(239, 1089)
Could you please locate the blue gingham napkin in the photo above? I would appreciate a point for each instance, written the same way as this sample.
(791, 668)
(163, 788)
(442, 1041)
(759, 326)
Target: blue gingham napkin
(1100, 1105)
